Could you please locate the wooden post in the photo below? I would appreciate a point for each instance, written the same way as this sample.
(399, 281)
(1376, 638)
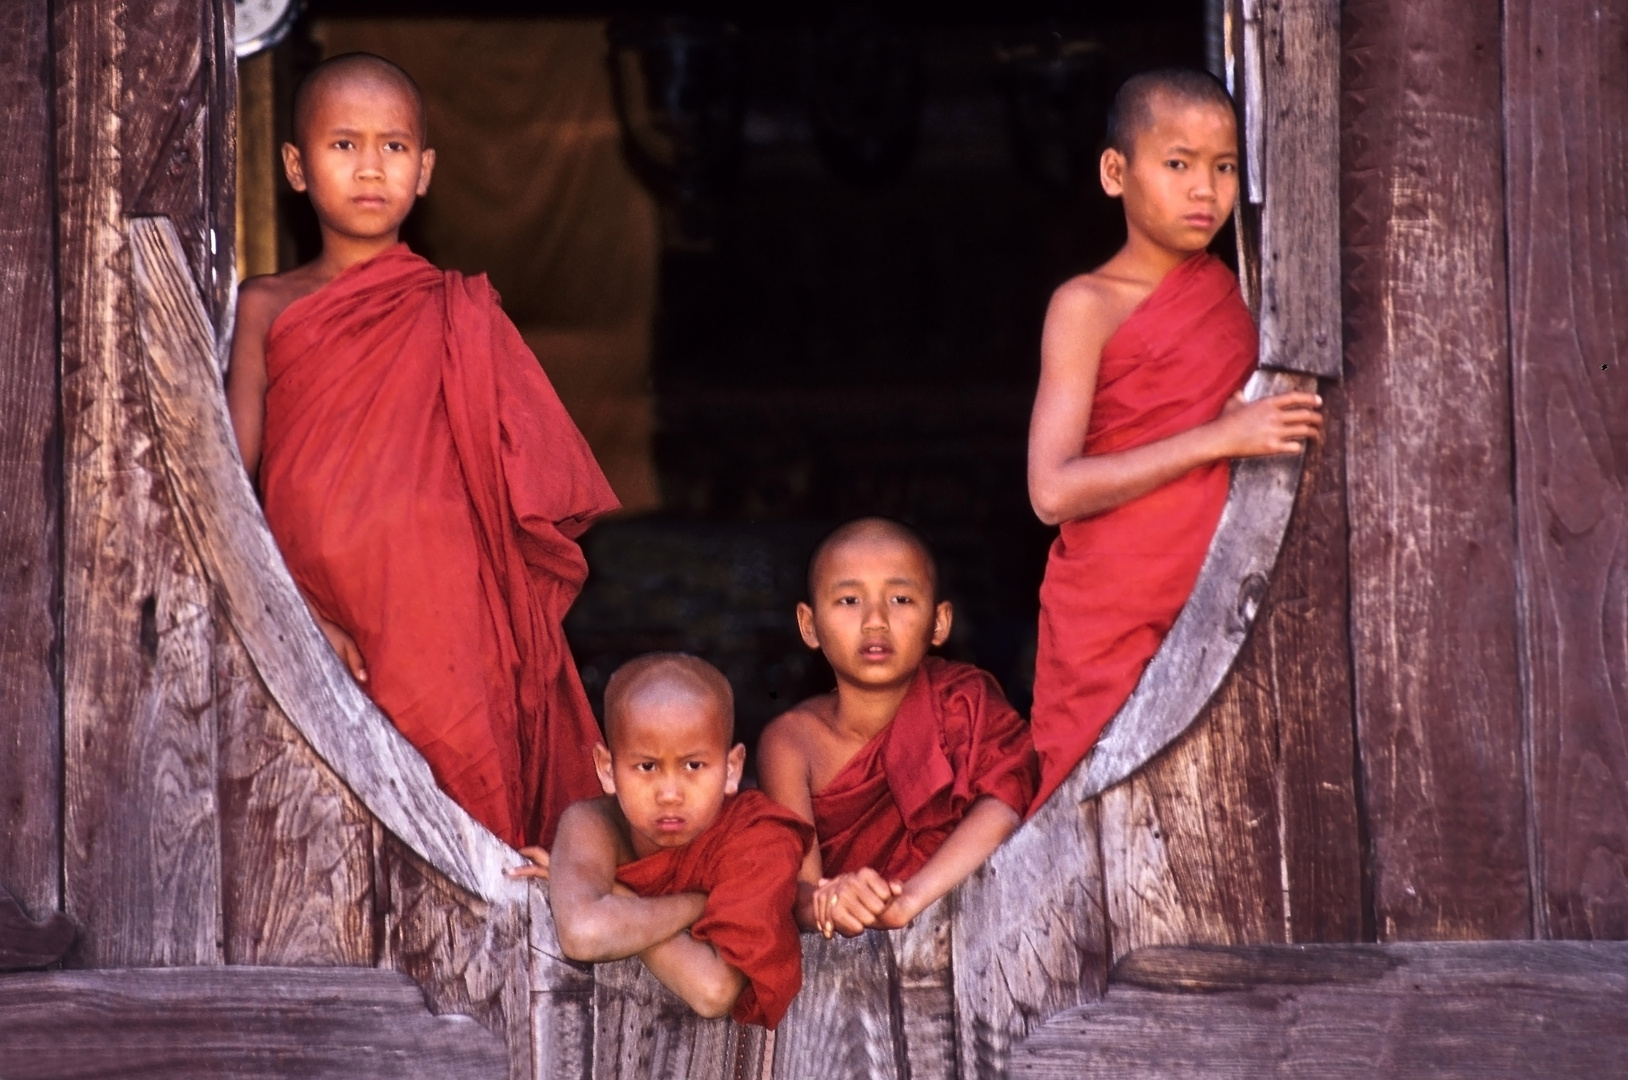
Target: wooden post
(1565, 104)
(1428, 454)
(30, 472)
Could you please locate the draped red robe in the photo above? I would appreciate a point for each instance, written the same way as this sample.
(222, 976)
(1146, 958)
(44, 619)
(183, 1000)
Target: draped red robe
(953, 740)
(426, 487)
(746, 862)
(1115, 582)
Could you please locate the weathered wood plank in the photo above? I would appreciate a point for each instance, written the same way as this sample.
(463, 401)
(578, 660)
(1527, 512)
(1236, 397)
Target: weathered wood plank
(1534, 1010)
(1566, 148)
(296, 845)
(25, 943)
(1428, 452)
(1030, 935)
(642, 1031)
(841, 1023)
(141, 863)
(234, 1023)
(1305, 641)
(30, 472)
(229, 532)
(1300, 216)
(923, 989)
(470, 956)
(1190, 843)
(562, 1001)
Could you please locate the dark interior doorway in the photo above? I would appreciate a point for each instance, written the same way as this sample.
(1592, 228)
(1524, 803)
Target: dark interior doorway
(833, 338)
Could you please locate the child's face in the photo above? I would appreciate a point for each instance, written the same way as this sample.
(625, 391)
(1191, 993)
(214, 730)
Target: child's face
(873, 612)
(670, 769)
(1180, 183)
(361, 160)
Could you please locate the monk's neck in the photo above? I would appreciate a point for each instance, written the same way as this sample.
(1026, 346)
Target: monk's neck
(1145, 259)
(863, 711)
(341, 252)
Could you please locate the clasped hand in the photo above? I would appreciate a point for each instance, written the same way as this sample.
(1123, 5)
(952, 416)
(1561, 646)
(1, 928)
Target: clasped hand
(1280, 424)
(849, 904)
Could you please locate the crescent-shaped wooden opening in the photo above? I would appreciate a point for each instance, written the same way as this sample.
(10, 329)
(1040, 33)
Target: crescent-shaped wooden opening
(950, 994)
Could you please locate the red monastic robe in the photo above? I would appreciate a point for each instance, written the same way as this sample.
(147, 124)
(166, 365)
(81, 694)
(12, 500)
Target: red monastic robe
(746, 862)
(1115, 582)
(953, 740)
(426, 488)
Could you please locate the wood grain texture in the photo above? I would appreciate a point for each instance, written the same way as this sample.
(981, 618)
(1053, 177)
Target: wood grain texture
(141, 860)
(1530, 1009)
(1190, 843)
(1300, 216)
(1030, 935)
(224, 522)
(1428, 451)
(841, 1023)
(30, 472)
(234, 1023)
(27, 943)
(562, 1001)
(296, 845)
(470, 956)
(642, 1031)
(922, 986)
(1566, 110)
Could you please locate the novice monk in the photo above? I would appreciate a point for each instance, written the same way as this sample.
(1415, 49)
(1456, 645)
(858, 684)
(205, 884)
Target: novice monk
(673, 864)
(1139, 411)
(419, 473)
(915, 768)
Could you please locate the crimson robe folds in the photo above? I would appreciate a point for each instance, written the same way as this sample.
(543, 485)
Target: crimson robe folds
(953, 741)
(746, 862)
(426, 488)
(1115, 582)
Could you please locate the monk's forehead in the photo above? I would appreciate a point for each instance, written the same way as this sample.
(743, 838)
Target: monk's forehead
(871, 549)
(329, 88)
(660, 715)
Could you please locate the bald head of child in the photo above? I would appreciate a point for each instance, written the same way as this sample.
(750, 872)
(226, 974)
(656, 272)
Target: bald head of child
(667, 757)
(873, 603)
(1172, 156)
(360, 145)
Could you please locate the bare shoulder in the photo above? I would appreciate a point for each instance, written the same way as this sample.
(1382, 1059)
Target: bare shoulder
(1100, 299)
(261, 299)
(592, 824)
(799, 729)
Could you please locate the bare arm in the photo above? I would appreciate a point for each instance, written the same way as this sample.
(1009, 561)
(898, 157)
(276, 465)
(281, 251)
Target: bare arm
(783, 774)
(246, 375)
(597, 921)
(1065, 483)
(695, 972)
(987, 822)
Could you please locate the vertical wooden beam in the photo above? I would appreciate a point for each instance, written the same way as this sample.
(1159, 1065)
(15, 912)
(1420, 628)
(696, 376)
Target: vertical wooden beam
(30, 472)
(1429, 482)
(256, 167)
(1566, 148)
(141, 859)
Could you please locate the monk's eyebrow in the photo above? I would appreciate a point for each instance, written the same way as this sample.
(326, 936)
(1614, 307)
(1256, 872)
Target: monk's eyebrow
(350, 132)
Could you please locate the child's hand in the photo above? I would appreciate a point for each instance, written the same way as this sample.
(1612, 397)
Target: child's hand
(906, 905)
(849, 904)
(538, 867)
(345, 646)
(1280, 424)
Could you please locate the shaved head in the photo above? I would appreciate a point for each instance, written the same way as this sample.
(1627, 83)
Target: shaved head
(670, 678)
(351, 69)
(1141, 95)
(867, 529)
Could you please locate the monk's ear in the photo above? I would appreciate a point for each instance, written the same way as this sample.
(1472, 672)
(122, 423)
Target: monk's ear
(293, 166)
(1112, 167)
(734, 766)
(426, 166)
(943, 619)
(805, 625)
(602, 766)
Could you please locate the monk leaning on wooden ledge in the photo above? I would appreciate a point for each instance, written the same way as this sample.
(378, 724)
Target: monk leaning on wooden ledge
(422, 480)
(914, 768)
(675, 864)
(1140, 411)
